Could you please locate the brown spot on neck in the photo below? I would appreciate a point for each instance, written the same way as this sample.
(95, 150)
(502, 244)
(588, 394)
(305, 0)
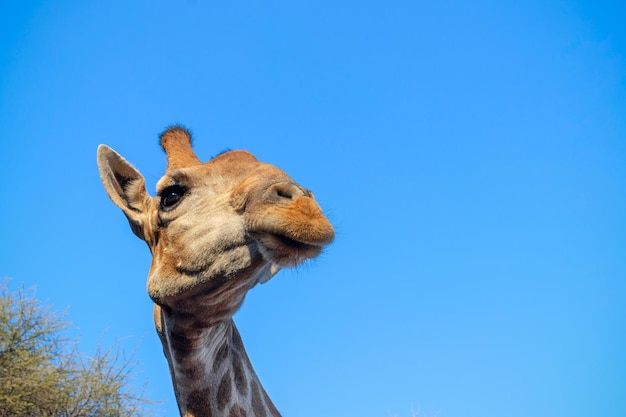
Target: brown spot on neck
(224, 391)
(198, 404)
(237, 411)
(257, 400)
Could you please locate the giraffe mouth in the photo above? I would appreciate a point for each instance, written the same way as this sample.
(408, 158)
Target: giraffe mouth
(284, 250)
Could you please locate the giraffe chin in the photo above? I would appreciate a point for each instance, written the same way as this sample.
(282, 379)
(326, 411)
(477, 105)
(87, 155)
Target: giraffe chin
(284, 251)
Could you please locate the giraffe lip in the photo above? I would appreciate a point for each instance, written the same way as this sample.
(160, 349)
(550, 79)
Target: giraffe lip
(282, 240)
(284, 250)
(296, 244)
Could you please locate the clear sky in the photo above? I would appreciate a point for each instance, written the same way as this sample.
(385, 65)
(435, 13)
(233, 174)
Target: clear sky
(472, 156)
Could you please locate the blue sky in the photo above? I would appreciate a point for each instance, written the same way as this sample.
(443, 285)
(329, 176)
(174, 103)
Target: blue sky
(472, 156)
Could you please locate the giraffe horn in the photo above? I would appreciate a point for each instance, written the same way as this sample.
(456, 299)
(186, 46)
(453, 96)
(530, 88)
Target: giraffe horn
(176, 142)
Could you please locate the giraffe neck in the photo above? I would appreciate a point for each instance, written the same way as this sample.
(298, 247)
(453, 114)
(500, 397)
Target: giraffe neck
(211, 372)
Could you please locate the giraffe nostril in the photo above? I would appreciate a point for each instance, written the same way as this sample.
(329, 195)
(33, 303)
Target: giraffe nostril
(285, 191)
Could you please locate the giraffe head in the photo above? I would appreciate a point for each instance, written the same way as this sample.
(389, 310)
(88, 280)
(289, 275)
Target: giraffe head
(214, 222)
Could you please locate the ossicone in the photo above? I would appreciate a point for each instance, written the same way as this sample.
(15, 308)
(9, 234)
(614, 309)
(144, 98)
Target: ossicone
(176, 142)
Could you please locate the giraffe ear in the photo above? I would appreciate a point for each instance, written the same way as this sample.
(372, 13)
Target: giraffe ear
(125, 186)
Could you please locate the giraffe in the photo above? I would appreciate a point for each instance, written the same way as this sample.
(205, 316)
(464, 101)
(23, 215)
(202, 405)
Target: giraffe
(215, 230)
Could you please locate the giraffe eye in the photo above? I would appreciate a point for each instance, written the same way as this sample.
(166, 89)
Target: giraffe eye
(171, 196)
